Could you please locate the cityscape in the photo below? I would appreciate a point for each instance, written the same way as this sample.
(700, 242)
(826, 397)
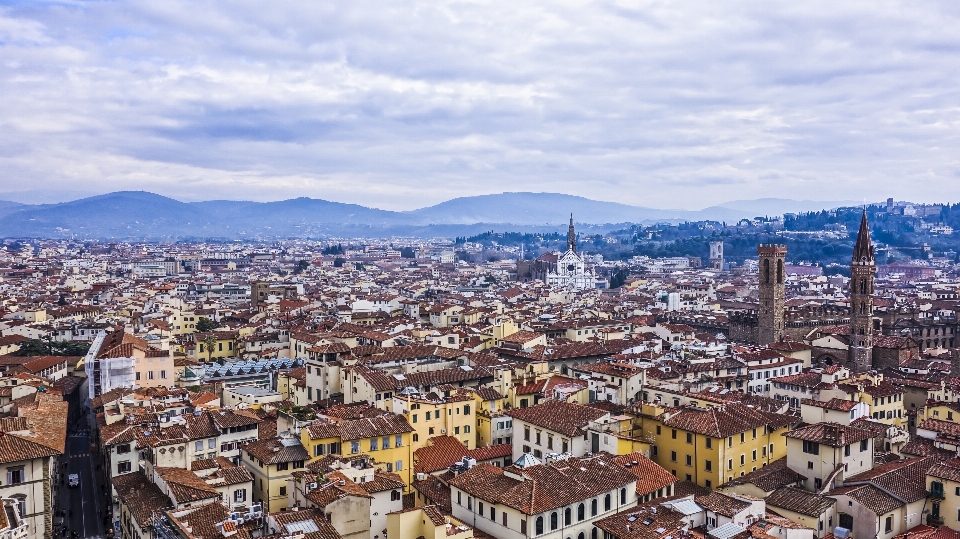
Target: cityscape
(479, 270)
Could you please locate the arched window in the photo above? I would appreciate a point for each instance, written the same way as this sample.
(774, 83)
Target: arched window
(606, 502)
(779, 271)
(538, 527)
(581, 512)
(593, 507)
(863, 286)
(567, 516)
(554, 521)
(766, 271)
(593, 533)
(623, 496)
(581, 536)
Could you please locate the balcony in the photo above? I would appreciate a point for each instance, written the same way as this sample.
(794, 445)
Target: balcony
(935, 494)
(934, 520)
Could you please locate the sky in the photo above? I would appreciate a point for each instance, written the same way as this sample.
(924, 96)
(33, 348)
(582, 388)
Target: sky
(404, 104)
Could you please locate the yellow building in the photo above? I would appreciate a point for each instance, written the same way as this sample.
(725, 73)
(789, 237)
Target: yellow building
(493, 426)
(452, 415)
(944, 411)
(711, 446)
(886, 403)
(943, 484)
(271, 463)
(184, 323)
(426, 521)
(214, 344)
(385, 438)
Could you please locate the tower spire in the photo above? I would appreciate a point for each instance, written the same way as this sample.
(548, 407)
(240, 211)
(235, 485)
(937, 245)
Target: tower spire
(863, 249)
(571, 237)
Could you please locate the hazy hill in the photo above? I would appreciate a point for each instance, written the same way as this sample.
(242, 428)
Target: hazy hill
(139, 214)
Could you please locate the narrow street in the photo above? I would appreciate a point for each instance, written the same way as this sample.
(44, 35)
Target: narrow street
(83, 505)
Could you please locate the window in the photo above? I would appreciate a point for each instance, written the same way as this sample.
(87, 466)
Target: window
(593, 507)
(354, 447)
(689, 438)
(526, 434)
(123, 466)
(606, 502)
(538, 526)
(414, 418)
(240, 495)
(888, 524)
(398, 466)
(456, 430)
(549, 441)
(658, 430)
(708, 465)
(673, 434)
(212, 443)
(754, 454)
(283, 491)
(689, 460)
(428, 416)
(480, 508)
(373, 444)
(581, 512)
(503, 519)
(297, 464)
(386, 442)
(466, 409)
(673, 456)
(623, 496)
(812, 448)
(123, 448)
(567, 516)
(149, 375)
(281, 466)
(863, 445)
(163, 374)
(198, 446)
(743, 460)
(398, 442)
(554, 521)
(395, 495)
(708, 442)
(318, 450)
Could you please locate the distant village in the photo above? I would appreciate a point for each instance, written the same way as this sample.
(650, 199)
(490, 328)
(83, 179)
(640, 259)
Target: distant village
(402, 388)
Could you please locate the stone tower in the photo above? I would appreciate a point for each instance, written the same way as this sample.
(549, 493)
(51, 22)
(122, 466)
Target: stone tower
(772, 292)
(716, 255)
(571, 237)
(863, 268)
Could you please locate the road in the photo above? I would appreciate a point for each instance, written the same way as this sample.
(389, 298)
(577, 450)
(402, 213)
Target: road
(83, 504)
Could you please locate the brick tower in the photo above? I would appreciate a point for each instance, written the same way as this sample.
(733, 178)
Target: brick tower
(772, 292)
(863, 268)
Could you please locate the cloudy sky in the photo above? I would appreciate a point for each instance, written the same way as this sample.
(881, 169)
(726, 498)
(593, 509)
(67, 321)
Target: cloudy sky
(403, 104)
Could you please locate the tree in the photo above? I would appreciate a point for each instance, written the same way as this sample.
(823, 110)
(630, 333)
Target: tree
(338, 262)
(47, 347)
(407, 252)
(301, 267)
(204, 325)
(210, 341)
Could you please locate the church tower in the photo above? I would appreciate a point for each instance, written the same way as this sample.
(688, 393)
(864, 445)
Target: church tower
(863, 269)
(571, 237)
(772, 292)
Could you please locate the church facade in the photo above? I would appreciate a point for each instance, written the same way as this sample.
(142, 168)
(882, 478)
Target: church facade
(571, 271)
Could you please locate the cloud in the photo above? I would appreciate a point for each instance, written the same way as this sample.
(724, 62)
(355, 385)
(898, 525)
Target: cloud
(401, 105)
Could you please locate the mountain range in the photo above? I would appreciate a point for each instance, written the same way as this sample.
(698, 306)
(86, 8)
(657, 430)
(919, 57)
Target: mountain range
(144, 215)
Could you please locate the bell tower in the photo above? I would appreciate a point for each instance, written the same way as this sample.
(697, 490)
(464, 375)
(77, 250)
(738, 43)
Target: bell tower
(772, 292)
(863, 269)
(571, 237)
